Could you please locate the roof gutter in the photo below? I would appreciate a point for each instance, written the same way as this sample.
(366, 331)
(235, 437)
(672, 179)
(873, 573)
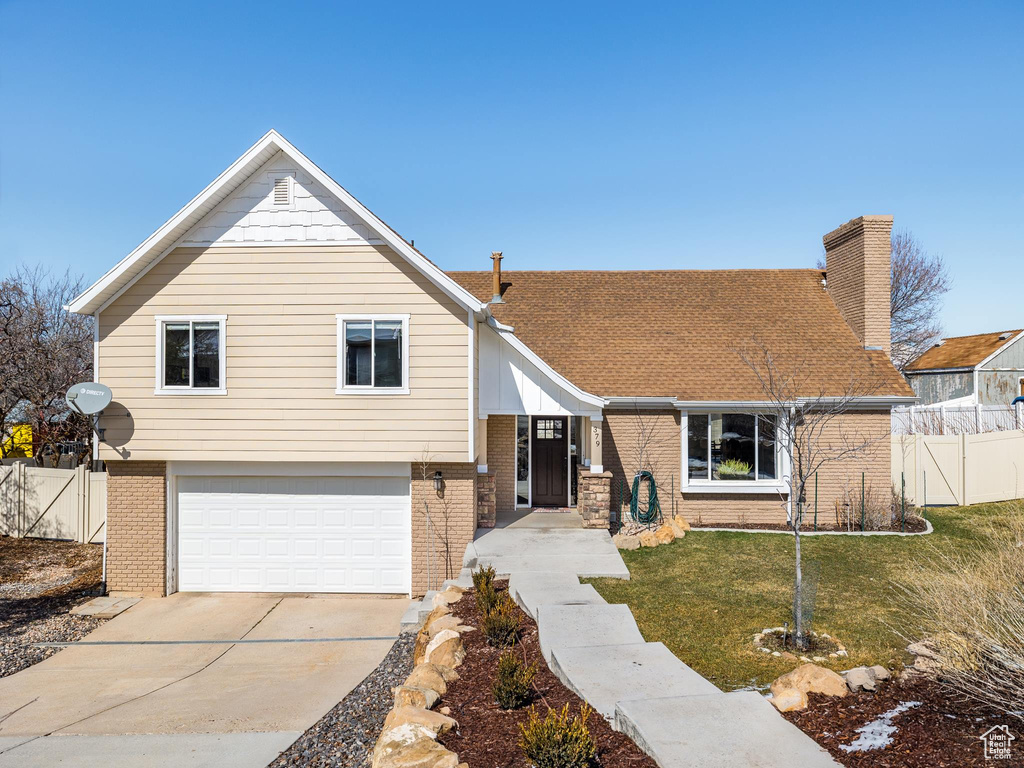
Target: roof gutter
(859, 403)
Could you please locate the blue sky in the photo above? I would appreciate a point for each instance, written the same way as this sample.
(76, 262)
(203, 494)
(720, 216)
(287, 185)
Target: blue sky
(618, 135)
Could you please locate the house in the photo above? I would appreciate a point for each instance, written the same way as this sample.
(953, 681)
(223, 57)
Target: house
(433, 400)
(984, 369)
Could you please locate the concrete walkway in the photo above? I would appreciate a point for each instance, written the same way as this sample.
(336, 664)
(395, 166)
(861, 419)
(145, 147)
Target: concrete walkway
(596, 649)
(194, 680)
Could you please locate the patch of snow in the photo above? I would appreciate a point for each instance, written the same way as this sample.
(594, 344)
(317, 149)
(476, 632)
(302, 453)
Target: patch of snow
(878, 733)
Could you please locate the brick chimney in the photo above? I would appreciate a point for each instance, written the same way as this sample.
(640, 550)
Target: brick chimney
(858, 276)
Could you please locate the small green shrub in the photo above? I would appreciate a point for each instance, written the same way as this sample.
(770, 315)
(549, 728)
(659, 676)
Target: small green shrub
(513, 684)
(500, 624)
(483, 577)
(558, 741)
(486, 594)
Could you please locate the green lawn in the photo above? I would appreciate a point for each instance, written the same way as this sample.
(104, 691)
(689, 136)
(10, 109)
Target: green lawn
(706, 596)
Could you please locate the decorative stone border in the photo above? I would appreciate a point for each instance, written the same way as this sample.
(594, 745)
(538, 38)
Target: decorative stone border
(927, 529)
(635, 536)
(409, 736)
(759, 644)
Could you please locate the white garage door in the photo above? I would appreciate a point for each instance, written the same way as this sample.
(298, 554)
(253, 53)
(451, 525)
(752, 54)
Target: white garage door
(296, 534)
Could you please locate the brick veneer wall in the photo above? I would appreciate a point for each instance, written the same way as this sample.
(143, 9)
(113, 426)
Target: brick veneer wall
(858, 268)
(458, 505)
(136, 527)
(501, 460)
(664, 450)
(485, 515)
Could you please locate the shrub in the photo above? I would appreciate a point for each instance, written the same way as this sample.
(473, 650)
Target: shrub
(483, 577)
(970, 608)
(558, 741)
(512, 686)
(486, 594)
(500, 624)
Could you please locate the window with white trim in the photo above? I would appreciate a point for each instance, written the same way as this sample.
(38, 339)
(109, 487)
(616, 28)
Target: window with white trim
(373, 354)
(731, 447)
(190, 354)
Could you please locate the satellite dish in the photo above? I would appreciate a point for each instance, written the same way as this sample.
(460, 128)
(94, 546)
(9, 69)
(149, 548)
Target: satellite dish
(89, 397)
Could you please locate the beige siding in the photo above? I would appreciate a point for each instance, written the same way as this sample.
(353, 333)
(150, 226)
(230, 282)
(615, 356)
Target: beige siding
(281, 359)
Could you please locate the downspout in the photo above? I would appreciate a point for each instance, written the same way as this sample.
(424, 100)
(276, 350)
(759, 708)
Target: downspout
(96, 440)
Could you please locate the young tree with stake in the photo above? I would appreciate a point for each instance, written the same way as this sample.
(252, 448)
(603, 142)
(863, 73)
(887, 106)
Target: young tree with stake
(812, 433)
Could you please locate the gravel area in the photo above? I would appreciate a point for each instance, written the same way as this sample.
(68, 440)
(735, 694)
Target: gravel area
(40, 581)
(345, 736)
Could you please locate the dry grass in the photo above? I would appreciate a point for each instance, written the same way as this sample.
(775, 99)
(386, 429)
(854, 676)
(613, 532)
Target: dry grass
(969, 605)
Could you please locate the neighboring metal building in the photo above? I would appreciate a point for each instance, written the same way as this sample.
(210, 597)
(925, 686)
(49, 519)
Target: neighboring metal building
(986, 369)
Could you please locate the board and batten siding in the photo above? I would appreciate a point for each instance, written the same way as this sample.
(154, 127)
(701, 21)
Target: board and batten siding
(281, 359)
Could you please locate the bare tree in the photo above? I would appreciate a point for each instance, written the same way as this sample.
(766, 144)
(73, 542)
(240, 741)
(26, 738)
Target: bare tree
(811, 433)
(919, 280)
(44, 349)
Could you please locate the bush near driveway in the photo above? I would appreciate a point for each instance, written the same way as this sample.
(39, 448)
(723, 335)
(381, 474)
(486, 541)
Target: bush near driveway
(706, 598)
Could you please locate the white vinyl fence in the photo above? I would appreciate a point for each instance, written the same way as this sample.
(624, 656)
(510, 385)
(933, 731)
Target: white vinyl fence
(959, 469)
(45, 503)
(956, 419)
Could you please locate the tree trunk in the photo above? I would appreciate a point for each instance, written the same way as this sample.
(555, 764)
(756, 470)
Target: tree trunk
(798, 588)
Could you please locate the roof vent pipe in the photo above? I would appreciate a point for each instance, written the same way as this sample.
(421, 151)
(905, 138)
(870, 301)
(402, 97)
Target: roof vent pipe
(496, 278)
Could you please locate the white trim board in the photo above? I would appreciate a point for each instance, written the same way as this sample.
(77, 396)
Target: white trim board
(161, 242)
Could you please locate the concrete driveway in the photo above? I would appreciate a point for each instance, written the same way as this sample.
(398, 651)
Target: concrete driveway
(194, 680)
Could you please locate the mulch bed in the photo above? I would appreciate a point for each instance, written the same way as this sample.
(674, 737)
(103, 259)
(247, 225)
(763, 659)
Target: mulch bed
(345, 736)
(487, 736)
(40, 581)
(940, 733)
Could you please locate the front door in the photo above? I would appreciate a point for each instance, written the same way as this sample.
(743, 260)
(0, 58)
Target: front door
(550, 461)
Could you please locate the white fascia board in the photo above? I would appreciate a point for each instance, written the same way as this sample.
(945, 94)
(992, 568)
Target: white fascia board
(151, 250)
(966, 369)
(1001, 349)
(642, 402)
(547, 370)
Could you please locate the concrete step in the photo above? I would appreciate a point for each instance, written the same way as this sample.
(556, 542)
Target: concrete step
(603, 675)
(464, 580)
(530, 598)
(723, 730)
(574, 626)
(548, 579)
(417, 613)
(593, 566)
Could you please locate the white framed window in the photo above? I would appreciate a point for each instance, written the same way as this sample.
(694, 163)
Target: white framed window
(190, 355)
(732, 452)
(373, 354)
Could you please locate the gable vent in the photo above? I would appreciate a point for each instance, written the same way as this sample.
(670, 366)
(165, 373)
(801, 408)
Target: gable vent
(282, 191)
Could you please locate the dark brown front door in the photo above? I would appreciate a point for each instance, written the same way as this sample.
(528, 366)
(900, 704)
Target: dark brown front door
(550, 461)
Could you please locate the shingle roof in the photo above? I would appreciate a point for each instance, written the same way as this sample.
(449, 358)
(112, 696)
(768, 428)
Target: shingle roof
(678, 333)
(961, 351)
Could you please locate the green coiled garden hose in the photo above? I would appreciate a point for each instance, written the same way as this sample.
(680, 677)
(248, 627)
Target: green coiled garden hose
(653, 511)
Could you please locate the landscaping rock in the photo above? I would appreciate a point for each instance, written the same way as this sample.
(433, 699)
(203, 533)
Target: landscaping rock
(446, 598)
(860, 679)
(664, 535)
(448, 652)
(789, 700)
(434, 722)
(437, 613)
(419, 650)
(648, 539)
(428, 676)
(419, 752)
(446, 622)
(680, 521)
(625, 541)
(679, 532)
(881, 673)
(921, 649)
(810, 678)
(414, 696)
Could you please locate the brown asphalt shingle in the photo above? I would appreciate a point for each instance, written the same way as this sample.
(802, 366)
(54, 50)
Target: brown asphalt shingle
(961, 351)
(679, 333)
